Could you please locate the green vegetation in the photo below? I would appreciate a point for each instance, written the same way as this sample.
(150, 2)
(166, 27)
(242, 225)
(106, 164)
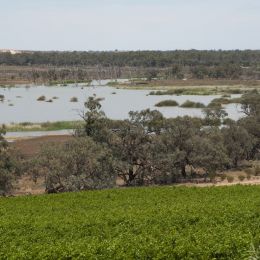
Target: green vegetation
(74, 67)
(234, 91)
(191, 104)
(167, 103)
(204, 91)
(80, 164)
(66, 82)
(230, 179)
(45, 126)
(41, 98)
(9, 168)
(113, 83)
(218, 102)
(241, 177)
(74, 99)
(146, 149)
(257, 170)
(226, 96)
(185, 91)
(143, 223)
(150, 149)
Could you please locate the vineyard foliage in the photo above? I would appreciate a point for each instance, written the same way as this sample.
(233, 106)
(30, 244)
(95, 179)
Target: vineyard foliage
(133, 223)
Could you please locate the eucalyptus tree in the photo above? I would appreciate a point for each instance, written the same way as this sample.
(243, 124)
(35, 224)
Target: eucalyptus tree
(79, 164)
(132, 148)
(177, 138)
(238, 142)
(8, 164)
(250, 104)
(151, 120)
(251, 122)
(209, 153)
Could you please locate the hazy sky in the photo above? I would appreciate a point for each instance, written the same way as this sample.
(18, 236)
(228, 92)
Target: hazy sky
(129, 24)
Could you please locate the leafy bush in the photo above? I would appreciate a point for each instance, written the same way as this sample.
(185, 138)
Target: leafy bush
(79, 164)
(226, 96)
(218, 102)
(41, 98)
(191, 104)
(223, 177)
(257, 170)
(167, 103)
(74, 99)
(230, 179)
(9, 167)
(249, 171)
(248, 176)
(241, 177)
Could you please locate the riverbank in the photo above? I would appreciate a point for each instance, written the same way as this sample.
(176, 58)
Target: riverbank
(44, 126)
(193, 87)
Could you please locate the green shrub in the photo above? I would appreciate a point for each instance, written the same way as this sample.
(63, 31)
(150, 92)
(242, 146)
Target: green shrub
(41, 98)
(249, 171)
(191, 104)
(223, 177)
(230, 179)
(74, 99)
(257, 170)
(9, 167)
(184, 91)
(167, 103)
(233, 91)
(241, 177)
(79, 164)
(226, 96)
(248, 176)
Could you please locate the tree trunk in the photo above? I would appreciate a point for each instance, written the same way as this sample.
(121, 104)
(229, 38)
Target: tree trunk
(183, 171)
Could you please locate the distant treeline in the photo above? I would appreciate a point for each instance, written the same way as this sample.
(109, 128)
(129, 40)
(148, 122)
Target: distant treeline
(134, 58)
(166, 65)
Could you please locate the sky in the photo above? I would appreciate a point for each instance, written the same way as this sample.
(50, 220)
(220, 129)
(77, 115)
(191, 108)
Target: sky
(129, 24)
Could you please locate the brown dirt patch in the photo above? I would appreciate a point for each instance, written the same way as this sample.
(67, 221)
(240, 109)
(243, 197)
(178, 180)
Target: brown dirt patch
(32, 146)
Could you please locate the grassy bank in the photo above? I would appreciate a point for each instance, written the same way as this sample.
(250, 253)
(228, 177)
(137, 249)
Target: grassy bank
(204, 91)
(136, 223)
(191, 84)
(46, 126)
